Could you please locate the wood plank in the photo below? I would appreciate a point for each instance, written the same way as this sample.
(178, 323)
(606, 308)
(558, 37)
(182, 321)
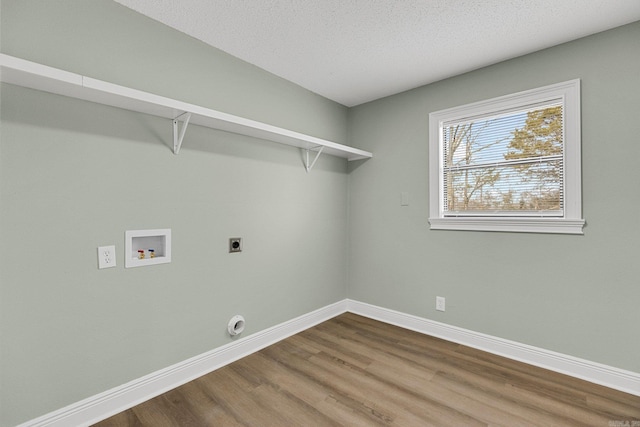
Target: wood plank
(355, 371)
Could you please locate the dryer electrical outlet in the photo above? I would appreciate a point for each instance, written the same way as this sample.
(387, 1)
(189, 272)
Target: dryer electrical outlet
(235, 244)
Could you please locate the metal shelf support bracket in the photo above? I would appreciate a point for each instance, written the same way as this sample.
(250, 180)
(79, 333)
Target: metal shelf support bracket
(178, 134)
(308, 166)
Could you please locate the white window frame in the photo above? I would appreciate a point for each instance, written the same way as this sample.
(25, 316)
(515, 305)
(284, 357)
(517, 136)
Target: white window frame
(571, 221)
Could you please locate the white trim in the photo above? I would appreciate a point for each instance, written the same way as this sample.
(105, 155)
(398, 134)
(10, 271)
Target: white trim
(608, 376)
(111, 402)
(513, 224)
(571, 222)
(118, 399)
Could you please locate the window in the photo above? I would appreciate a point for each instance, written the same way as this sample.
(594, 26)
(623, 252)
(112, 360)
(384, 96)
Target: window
(508, 164)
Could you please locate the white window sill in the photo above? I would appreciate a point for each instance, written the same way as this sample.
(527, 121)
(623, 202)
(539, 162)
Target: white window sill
(514, 225)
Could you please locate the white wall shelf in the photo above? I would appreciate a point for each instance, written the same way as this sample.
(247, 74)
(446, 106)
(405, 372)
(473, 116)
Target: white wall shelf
(29, 74)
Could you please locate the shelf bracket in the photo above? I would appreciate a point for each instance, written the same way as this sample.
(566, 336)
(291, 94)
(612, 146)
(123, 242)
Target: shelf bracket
(178, 134)
(308, 166)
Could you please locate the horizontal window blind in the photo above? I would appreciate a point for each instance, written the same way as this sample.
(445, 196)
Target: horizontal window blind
(506, 164)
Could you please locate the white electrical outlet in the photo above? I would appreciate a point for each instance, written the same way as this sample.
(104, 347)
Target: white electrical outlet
(106, 256)
(440, 303)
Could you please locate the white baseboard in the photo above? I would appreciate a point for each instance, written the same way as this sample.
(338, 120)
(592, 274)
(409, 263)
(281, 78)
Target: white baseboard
(597, 373)
(118, 399)
(103, 405)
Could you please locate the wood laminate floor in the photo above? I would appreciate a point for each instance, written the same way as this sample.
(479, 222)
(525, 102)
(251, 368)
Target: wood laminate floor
(354, 371)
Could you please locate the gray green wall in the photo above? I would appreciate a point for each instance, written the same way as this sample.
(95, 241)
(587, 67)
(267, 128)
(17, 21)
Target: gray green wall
(76, 175)
(577, 295)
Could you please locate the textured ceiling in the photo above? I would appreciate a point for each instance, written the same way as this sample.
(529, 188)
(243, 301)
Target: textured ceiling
(354, 51)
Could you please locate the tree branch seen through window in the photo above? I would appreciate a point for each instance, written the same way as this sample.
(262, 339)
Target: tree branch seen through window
(509, 163)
